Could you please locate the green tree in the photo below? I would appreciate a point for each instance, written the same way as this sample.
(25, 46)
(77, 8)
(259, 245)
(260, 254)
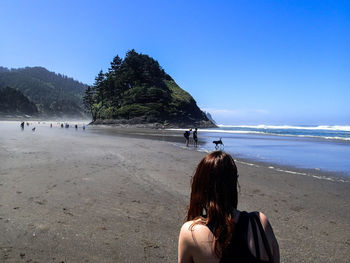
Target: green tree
(138, 87)
(48, 90)
(88, 101)
(100, 88)
(115, 65)
(13, 101)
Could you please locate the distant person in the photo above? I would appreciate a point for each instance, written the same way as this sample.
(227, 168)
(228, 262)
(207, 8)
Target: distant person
(187, 136)
(195, 138)
(50, 125)
(84, 127)
(27, 123)
(22, 125)
(215, 230)
(76, 126)
(61, 125)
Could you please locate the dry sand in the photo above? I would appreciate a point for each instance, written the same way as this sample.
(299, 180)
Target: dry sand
(74, 196)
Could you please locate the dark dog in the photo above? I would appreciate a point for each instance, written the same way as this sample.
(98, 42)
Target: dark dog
(33, 129)
(217, 143)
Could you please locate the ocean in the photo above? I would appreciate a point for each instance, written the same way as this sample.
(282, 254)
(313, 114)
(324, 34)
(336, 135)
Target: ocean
(318, 148)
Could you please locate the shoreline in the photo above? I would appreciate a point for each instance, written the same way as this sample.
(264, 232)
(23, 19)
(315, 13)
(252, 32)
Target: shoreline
(175, 136)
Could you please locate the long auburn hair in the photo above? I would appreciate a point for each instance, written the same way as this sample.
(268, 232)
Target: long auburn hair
(214, 197)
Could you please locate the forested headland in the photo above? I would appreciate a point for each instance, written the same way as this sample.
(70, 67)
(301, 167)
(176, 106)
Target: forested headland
(53, 94)
(13, 101)
(137, 90)
(134, 90)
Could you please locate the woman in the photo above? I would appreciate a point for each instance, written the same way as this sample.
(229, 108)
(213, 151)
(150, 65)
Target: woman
(215, 230)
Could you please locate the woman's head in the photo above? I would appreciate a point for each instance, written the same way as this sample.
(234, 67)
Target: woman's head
(214, 195)
(214, 185)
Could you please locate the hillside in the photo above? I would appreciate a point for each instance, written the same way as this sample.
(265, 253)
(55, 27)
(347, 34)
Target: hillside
(54, 94)
(137, 90)
(13, 101)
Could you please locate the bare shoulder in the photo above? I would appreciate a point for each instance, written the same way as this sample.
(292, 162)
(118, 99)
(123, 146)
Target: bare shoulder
(196, 243)
(194, 229)
(264, 221)
(274, 248)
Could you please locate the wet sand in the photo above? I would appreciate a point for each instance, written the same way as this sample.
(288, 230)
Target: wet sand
(77, 196)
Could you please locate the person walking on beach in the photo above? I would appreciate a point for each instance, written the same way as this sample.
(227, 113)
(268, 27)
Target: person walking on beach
(187, 136)
(195, 138)
(215, 230)
(22, 125)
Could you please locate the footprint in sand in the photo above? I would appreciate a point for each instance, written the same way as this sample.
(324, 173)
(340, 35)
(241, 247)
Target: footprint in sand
(151, 248)
(41, 202)
(296, 208)
(65, 211)
(51, 187)
(5, 252)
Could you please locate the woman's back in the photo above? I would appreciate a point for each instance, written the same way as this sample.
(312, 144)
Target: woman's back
(253, 241)
(196, 242)
(215, 231)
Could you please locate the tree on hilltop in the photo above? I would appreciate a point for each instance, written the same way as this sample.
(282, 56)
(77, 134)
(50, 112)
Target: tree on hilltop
(138, 87)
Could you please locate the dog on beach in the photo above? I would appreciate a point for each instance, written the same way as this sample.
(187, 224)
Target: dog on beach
(217, 143)
(33, 129)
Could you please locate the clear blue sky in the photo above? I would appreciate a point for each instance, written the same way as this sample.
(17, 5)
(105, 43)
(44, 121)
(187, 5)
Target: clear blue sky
(247, 62)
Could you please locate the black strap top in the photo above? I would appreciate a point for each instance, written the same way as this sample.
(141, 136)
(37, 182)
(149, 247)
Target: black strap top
(238, 249)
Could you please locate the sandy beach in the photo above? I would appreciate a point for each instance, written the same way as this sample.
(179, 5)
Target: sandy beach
(75, 196)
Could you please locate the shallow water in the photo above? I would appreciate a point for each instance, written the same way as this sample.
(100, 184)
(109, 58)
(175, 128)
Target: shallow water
(300, 152)
(315, 153)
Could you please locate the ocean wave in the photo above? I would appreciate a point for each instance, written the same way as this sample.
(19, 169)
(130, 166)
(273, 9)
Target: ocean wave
(325, 137)
(279, 134)
(219, 131)
(345, 128)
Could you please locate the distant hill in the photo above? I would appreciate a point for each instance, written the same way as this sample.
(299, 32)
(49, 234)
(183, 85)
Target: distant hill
(54, 94)
(136, 90)
(13, 101)
(210, 117)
